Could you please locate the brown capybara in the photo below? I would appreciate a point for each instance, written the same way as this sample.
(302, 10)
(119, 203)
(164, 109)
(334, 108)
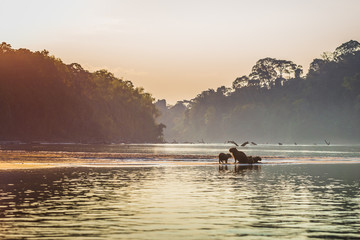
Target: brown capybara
(252, 159)
(223, 157)
(241, 157)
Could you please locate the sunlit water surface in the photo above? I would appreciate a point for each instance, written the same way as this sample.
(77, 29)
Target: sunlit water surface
(279, 201)
(286, 150)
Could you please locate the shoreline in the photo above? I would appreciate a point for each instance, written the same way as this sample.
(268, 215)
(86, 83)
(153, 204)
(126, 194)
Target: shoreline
(20, 159)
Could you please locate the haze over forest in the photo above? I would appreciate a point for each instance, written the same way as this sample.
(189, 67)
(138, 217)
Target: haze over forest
(44, 99)
(275, 103)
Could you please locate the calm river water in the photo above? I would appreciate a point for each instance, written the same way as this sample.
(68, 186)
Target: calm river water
(281, 201)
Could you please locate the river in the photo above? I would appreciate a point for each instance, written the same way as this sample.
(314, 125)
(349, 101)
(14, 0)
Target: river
(300, 192)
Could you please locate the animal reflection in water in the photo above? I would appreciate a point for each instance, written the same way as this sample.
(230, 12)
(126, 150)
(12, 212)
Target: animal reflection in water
(239, 168)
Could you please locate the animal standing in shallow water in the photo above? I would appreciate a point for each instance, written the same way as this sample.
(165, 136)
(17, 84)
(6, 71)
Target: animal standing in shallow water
(252, 159)
(241, 157)
(223, 157)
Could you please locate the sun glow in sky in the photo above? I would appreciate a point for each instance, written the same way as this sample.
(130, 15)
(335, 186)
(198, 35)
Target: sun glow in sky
(176, 49)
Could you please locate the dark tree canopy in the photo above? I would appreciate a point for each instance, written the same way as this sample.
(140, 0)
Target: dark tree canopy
(264, 71)
(325, 104)
(347, 48)
(267, 70)
(240, 82)
(43, 99)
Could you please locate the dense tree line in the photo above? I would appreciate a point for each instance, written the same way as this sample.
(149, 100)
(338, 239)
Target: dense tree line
(274, 103)
(43, 99)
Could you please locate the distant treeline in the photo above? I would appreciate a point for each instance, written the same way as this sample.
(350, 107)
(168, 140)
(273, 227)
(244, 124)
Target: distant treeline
(43, 99)
(275, 103)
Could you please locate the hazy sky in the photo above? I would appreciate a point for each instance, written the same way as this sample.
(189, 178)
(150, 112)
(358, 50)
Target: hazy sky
(176, 49)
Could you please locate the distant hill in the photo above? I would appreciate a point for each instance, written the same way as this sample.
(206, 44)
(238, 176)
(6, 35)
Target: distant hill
(43, 99)
(275, 103)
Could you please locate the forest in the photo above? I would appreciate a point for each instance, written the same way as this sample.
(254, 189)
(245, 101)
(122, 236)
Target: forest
(276, 103)
(44, 99)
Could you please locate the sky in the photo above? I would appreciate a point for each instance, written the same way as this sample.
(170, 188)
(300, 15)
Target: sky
(177, 49)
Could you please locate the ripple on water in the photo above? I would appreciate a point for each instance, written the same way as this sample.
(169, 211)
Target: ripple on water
(192, 202)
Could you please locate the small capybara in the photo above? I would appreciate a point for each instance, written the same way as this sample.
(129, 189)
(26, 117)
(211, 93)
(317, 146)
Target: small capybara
(223, 157)
(241, 157)
(252, 159)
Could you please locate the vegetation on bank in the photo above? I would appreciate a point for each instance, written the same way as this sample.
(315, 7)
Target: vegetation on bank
(275, 103)
(44, 99)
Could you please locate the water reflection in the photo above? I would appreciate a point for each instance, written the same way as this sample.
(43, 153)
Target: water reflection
(239, 168)
(192, 202)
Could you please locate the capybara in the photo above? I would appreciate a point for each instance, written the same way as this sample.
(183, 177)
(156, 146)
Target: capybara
(241, 157)
(223, 157)
(252, 159)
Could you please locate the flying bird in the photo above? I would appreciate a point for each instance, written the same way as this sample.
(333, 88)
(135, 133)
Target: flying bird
(233, 143)
(244, 144)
